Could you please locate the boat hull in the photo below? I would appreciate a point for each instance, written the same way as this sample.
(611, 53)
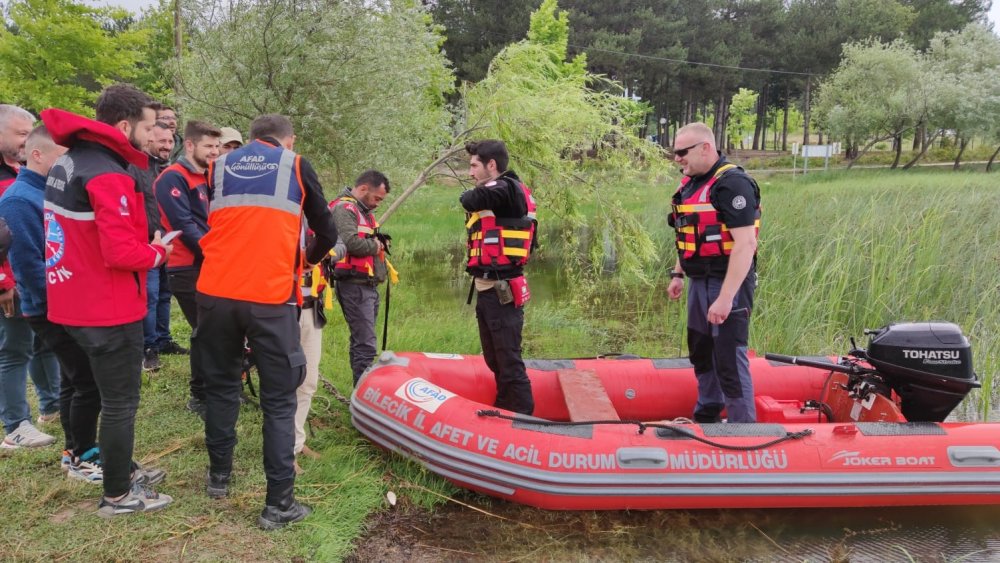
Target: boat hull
(431, 409)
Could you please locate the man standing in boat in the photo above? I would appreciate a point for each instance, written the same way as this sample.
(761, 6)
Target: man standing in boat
(501, 230)
(716, 213)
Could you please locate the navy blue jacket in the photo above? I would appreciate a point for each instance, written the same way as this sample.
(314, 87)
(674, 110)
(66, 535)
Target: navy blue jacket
(21, 206)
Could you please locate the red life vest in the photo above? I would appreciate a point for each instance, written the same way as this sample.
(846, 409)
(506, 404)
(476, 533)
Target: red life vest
(498, 243)
(351, 266)
(700, 231)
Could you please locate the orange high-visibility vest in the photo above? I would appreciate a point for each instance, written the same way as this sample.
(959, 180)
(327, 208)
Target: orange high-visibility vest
(253, 249)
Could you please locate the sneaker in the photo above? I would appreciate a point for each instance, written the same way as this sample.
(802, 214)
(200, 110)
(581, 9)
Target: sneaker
(48, 418)
(26, 436)
(65, 461)
(197, 406)
(172, 347)
(217, 484)
(151, 360)
(87, 467)
(140, 498)
(273, 518)
(147, 475)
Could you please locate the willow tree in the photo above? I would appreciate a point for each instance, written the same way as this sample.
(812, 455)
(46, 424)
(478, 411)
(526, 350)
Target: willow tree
(364, 81)
(558, 119)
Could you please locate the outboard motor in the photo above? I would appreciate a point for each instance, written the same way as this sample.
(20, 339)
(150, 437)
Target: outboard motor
(928, 364)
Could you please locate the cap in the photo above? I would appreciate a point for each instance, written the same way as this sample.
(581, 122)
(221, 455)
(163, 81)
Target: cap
(229, 135)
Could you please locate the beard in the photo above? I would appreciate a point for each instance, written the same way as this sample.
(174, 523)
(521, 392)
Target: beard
(135, 142)
(200, 162)
(11, 153)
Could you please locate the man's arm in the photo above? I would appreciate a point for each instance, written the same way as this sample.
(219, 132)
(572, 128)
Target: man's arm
(120, 247)
(27, 250)
(740, 260)
(317, 214)
(174, 202)
(492, 197)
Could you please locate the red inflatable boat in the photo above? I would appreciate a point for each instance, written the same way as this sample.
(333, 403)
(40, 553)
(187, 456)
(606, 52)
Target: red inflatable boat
(609, 434)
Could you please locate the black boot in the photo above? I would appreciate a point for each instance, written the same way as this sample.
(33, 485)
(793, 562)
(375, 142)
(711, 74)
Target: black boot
(217, 484)
(281, 508)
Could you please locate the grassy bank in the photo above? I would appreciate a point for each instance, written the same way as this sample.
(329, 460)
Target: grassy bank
(839, 253)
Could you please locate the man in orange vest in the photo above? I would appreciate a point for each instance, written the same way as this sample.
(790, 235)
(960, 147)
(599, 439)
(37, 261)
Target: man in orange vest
(716, 213)
(249, 288)
(360, 271)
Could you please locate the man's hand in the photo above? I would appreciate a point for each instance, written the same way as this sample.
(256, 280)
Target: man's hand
(675, 288)
(7, 303)
(167, 247)
(719, 311)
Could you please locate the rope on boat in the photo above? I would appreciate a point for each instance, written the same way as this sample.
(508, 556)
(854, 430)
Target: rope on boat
(644, 425)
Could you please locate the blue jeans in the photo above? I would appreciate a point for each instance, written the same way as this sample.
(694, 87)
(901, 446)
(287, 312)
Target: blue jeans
(21, 354)
(162, 308)
(150, 332)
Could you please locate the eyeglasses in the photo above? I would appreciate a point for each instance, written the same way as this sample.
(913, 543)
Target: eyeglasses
(683, 152)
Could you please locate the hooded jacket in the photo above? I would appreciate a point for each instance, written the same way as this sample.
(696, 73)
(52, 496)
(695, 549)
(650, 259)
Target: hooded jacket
(96, 250)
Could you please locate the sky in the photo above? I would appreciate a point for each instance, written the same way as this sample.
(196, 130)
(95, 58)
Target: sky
(137, 5)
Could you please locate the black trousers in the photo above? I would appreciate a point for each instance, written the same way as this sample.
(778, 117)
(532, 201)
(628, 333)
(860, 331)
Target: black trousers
(115, 355)
(79, 398)
(182, 285)
(500, 329)
(273, 334)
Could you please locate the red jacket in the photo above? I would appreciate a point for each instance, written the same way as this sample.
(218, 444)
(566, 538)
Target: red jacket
(7, 176)
(96, 254)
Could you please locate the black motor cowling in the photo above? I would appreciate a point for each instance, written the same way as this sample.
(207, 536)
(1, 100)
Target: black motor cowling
(928, 364)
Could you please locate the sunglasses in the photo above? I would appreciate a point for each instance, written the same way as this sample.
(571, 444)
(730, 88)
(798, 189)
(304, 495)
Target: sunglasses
(683, 152)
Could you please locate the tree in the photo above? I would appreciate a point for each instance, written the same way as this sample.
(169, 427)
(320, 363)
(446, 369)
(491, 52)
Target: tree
(933, 16)
(57, 53)
(363, 82)
(551, 112)
(742, 116)
(873, 95)
(967, 64)
(476, 30)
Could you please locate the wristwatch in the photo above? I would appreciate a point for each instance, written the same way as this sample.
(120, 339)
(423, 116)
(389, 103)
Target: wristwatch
(677, 275)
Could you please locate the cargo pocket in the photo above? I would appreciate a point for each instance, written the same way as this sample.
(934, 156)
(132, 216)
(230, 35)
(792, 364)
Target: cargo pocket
(297, 367)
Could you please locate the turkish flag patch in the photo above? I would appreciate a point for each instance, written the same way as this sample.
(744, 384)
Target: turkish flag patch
(175, 192)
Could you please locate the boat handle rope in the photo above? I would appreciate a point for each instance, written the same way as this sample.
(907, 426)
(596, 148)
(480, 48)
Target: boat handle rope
(644, 425)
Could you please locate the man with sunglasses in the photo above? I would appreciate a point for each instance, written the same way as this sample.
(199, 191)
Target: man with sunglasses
(716, 213)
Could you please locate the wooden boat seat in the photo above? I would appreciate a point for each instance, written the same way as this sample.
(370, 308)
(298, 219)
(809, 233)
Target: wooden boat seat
(586, 398)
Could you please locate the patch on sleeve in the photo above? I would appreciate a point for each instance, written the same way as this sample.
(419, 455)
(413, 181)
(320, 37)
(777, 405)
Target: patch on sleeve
(739, 202)
(175, 192)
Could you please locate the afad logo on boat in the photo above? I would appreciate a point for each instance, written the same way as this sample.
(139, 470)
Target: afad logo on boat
(424, 394)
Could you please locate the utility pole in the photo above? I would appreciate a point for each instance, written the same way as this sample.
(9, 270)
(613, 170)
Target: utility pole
(177, 43)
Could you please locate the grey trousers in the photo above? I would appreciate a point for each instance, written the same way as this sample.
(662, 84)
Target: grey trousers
(719, 352)
(359, 303)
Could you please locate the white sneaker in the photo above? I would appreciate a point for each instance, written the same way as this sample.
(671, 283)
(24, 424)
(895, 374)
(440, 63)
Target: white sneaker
(26, 436)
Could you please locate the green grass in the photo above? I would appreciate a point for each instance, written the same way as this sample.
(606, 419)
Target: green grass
(839, 252)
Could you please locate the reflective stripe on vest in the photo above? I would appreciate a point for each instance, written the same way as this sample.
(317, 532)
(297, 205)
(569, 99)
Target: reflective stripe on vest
(700, 231)
(253, 247)
(504, 242)
(357, 266)
(286, 195)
